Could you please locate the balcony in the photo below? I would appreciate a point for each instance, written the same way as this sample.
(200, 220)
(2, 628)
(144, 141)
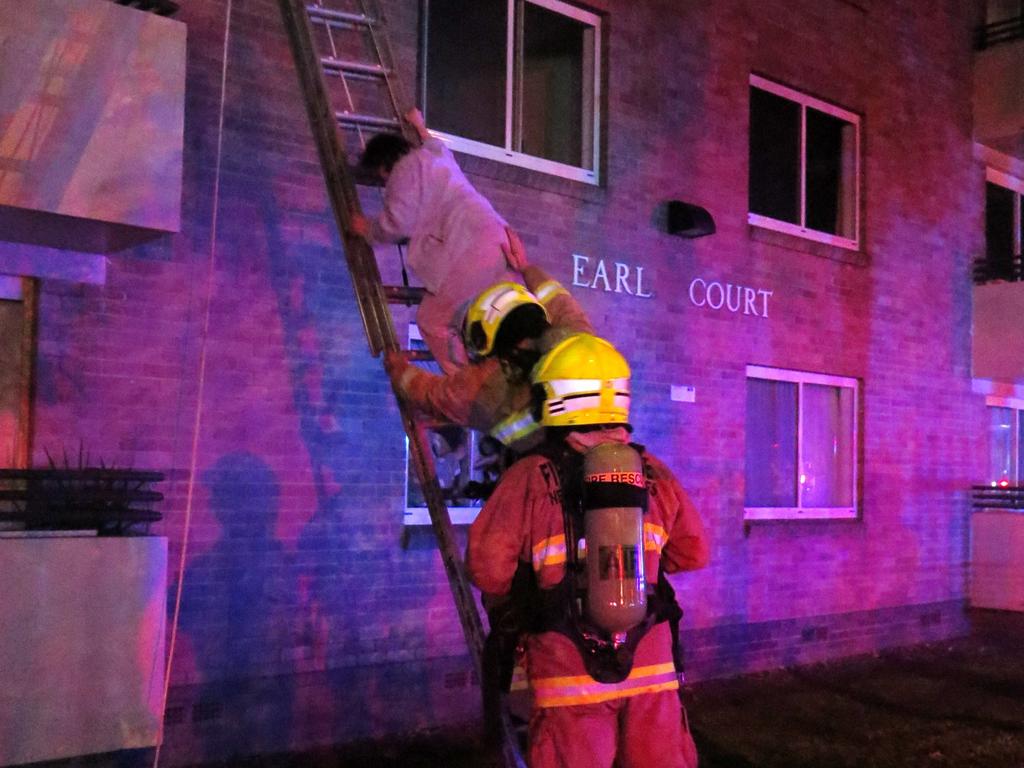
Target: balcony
(999, 86)
(998, 344)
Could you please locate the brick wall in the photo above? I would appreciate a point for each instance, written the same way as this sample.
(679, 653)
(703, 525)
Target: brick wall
(304, 619)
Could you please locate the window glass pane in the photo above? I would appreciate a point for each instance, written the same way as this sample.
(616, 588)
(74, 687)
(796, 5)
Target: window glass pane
(827, 472)
(771, 443)
(831, 174)
(1019, 479)
(557, 87)
(1001, 459)
(466, 69)
(999, 226)
(11, 384)
(774, 156)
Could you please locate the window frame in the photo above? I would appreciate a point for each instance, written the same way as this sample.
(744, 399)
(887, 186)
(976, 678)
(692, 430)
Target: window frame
(1015, 185)
(513, 91)
(414, 515)
(800, 230)
(24, 290)
(799, 512)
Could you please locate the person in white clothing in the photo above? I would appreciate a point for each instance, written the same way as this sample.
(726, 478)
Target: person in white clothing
(455, 235)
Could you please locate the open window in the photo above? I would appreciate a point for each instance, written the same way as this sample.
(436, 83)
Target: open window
(804, 165)
(516, 81)
(1003, 226)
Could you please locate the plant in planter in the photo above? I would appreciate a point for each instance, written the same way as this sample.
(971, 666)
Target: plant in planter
(109, 500)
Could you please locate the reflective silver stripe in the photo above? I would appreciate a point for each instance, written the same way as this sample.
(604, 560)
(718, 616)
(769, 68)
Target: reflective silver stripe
(515, 427)
(583, 689)
(499, 302)
(572, 386)
(548, 290)
(549, 551)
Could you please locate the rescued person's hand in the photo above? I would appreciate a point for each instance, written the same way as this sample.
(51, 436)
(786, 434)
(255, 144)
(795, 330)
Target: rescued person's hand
(359, 225)
(415, 118)
(515, 251)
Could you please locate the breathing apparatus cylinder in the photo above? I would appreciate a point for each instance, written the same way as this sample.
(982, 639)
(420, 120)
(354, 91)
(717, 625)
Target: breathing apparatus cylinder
(614, 497)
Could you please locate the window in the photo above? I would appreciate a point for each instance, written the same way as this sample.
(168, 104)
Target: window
(16, 354)
(465, 461)
(516, 81)
(1005, 430)
(801, 453)
(1002, 226)
(804, 165)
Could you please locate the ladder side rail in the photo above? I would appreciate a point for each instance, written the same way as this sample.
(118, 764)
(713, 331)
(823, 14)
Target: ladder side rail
(370, 296)
(340, 188)
(380, 330)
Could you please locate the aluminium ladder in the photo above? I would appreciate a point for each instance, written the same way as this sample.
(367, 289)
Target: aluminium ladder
(340, 49)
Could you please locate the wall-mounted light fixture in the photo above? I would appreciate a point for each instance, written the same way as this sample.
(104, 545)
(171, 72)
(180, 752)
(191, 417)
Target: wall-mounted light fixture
(687, 220)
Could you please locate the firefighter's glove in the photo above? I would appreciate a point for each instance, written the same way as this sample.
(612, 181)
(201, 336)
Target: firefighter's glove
(399, 369)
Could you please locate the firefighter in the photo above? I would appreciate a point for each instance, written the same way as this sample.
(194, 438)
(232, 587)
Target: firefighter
(506, 330)
(574, 544)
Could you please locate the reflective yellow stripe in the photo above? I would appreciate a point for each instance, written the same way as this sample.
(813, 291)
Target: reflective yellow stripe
(515, 427)
(654, 537)
(548, 290)
(549, 551)
(583, 689)
(519, 680)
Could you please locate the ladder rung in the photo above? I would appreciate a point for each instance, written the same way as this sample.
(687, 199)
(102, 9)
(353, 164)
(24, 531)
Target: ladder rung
(419, 355)
(329, 14)
(355, 67)
(375, 121)
(403, 294)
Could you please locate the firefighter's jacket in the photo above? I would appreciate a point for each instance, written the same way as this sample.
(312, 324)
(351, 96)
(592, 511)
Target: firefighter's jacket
(522, 521)
(485, 395)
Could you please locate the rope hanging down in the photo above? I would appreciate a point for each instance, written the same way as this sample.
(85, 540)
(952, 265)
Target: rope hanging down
(201, 383)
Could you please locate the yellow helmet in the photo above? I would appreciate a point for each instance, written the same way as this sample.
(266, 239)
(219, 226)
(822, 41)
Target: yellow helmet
(584, 381)
(487, 312)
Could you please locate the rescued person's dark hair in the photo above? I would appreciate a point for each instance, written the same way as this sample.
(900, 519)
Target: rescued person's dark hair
(383, 151)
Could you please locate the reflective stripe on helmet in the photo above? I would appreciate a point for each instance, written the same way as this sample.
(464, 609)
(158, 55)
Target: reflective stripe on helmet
(583, 689)
(498, 305)
(575, 386)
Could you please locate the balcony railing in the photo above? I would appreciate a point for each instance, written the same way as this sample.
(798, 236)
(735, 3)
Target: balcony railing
(1000, 32)
(987, 270)
(114, 502)
(997, 497)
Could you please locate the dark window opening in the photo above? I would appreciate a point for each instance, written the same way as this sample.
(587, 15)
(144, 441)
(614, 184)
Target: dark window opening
(774, 156)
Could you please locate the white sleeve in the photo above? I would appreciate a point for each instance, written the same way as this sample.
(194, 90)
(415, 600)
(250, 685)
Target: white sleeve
(402, 203)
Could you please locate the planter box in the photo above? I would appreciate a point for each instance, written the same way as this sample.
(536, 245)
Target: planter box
(81, 645)
(997, 560)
